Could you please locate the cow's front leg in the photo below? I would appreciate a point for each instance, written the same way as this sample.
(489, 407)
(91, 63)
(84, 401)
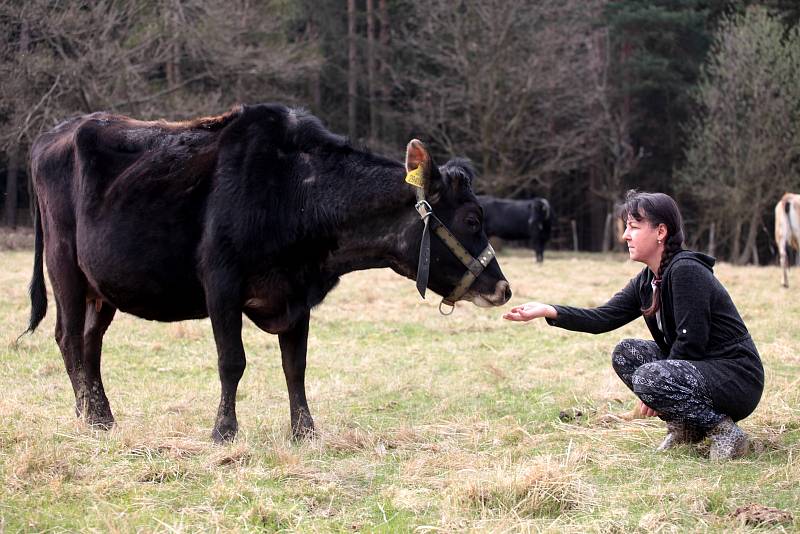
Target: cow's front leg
(98, 412)
(294, 345)
(226, 320)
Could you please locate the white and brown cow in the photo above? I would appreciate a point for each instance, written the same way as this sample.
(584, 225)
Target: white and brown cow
(787, 229)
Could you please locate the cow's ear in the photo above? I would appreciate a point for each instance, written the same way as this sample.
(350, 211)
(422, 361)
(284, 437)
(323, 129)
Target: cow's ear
(421, 172)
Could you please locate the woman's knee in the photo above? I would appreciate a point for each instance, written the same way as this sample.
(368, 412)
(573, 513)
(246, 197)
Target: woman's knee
(647, 378)
(622, 354)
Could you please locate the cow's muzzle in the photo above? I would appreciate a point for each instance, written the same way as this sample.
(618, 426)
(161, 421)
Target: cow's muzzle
(501, 295)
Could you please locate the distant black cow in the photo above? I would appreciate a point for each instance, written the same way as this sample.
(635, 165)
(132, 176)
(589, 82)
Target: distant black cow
(257, 211)
(529, 220)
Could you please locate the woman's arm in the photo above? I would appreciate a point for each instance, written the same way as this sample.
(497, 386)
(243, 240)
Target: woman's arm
(623, 308)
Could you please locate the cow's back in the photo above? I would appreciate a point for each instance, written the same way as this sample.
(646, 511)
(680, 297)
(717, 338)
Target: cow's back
(506, 218)
(128, 197)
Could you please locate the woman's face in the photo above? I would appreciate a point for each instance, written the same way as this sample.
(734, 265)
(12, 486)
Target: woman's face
(643, 239)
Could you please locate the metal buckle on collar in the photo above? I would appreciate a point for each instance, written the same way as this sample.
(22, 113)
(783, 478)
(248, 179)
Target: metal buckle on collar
(447, 303)
(423, 208)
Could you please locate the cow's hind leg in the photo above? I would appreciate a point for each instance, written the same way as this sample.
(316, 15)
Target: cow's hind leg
(784, 261)
(294, 346)
(98, 411)
(69, 289)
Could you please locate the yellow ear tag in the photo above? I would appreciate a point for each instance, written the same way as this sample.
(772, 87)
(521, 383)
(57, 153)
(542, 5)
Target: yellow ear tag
(415, 177)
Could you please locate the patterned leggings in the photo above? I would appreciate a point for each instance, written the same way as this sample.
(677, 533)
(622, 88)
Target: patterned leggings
(673, 388)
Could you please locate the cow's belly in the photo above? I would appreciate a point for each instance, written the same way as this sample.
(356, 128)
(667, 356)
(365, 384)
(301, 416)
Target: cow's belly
(276, 299)
(270, 302)
(146, 274)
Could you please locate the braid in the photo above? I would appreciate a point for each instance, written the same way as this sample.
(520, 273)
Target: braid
(671, 247)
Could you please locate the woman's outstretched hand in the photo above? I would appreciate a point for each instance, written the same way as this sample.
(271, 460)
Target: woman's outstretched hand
(531, 310)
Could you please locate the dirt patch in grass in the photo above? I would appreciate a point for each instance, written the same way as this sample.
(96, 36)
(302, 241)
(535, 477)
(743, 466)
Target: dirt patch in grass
(758, 515)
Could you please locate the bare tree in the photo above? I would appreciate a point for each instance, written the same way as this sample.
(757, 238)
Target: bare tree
(513, 84)
(125, 56)
(166, 58)
(744, 151)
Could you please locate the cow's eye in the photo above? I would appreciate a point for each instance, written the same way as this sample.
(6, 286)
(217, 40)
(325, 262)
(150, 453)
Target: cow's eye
(473, 224)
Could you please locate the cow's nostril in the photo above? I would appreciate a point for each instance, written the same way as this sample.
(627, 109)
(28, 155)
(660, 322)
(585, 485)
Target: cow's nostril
(502, 288)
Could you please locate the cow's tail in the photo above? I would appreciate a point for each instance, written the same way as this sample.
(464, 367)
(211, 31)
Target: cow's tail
(38, 292)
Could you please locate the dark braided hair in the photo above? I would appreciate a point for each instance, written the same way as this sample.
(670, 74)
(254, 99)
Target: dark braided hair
(655, 209)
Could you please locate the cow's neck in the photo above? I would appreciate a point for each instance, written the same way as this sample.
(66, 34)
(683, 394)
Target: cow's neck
(377, 227)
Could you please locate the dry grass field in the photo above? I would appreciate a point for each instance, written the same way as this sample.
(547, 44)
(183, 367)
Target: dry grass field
(426, 423)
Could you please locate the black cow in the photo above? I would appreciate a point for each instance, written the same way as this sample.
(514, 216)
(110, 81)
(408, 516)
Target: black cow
(529, 220)
(257, 211)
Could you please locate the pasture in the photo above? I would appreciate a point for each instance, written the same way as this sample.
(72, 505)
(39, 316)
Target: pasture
(426, 423)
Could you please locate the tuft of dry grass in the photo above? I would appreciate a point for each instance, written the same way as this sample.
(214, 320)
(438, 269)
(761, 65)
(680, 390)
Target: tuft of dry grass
(38, 465)
(541, 487)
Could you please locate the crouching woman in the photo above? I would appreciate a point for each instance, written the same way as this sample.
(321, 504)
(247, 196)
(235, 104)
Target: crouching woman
(702, 372)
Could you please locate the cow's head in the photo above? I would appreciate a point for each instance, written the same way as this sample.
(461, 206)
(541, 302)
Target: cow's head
(448, 191)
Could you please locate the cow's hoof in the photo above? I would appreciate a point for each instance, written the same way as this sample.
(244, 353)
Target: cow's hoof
(224, 430)
(99, 416)
(97, 419)
(100, 422)
(303, 429)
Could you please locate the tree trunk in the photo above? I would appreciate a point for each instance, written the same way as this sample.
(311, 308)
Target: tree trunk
(737, 236)
(712, 244)
(351, 68)
(11, 188)
(373, 111)
(172, 69)
(14, 153)
(383, 89)
(750, 243)
(607, 231)
(596, 213)
(574, 226)
(314, 82)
